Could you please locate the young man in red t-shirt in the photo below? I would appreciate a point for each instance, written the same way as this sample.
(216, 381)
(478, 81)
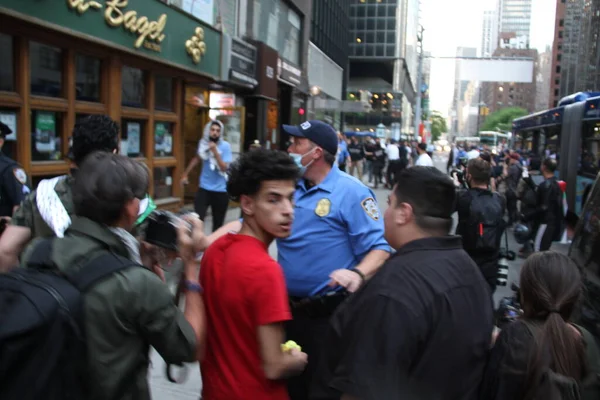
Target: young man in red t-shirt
(244, 290)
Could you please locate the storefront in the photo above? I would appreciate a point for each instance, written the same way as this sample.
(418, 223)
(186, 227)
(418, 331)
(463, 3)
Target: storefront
(132, 60)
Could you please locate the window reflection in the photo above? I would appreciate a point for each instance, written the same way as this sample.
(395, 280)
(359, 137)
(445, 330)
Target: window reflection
(46, 70)
(7, 77)
(132, 143)
(163, 93)
(133, 87)
(163, 182)
(87, 78)
(279, 26)
(163, 139)
(46, 141)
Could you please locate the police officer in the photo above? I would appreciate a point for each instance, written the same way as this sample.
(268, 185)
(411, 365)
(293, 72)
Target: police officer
(336, 243)
(13, 180)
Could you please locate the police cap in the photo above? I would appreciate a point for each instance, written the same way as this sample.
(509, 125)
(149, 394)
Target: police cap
(4, 130)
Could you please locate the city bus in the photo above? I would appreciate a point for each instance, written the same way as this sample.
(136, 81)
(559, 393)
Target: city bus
(492, 138)
(572, 132)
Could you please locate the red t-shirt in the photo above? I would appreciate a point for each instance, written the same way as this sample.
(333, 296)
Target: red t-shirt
(244, 288)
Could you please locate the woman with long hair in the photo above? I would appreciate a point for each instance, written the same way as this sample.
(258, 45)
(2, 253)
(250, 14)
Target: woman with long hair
(542, 356)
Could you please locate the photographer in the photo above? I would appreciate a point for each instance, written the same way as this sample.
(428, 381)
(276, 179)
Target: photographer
(481, 219)
(131, 309)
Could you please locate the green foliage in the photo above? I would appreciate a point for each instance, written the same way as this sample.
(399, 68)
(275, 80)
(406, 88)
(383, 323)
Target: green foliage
(501, 120)
(438, 125)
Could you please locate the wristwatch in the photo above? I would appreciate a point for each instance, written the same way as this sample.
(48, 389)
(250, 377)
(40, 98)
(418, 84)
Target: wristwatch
(190, 286)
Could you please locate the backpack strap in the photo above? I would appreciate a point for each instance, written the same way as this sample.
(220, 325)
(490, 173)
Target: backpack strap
(99, 268)
(41, 256)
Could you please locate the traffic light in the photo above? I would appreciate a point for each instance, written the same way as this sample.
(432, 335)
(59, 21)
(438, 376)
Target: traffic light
(301, 111)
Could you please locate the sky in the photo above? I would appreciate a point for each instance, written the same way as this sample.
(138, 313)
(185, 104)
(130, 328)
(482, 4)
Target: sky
(457, 23)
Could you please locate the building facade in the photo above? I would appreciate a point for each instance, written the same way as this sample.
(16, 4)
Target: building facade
(515, 16)
(383, 61)
(460, 88)
(240, 61)
(328, 59)
(489, 33)
(557, 54)
(498, 95)
(576, 54)
(543, 80)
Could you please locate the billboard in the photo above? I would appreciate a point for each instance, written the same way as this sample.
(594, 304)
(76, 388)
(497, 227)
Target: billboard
(486, 70)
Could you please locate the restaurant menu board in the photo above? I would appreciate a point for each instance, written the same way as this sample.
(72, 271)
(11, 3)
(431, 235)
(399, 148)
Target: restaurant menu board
(45, 132)
(9, 119)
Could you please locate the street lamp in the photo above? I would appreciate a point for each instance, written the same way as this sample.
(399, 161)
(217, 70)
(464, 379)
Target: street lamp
(314, 92)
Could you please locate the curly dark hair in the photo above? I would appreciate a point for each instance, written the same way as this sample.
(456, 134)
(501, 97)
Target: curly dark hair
(248, 172)
(94, 133)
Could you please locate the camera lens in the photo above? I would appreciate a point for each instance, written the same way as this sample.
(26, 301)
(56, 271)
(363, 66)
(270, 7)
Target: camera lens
(502, 277)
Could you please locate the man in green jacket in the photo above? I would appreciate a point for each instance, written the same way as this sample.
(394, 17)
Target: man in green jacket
(132, 309)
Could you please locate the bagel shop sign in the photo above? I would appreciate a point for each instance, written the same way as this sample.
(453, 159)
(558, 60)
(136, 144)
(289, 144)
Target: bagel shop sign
(149, 27)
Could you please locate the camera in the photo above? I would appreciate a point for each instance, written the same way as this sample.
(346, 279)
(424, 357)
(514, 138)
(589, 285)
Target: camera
(502, 277)
(505, 256)
(161, 228)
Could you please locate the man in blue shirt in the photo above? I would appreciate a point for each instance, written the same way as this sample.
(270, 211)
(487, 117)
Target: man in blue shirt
(215, 154)
(337, 241)
(343, 157)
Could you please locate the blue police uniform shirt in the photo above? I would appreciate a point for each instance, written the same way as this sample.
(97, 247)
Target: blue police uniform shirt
(336, 224)
(213, 179)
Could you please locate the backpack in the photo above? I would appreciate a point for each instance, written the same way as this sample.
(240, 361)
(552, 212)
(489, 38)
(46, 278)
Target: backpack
(554, 386)
(42, 338)
(485, 225)
(403, 154)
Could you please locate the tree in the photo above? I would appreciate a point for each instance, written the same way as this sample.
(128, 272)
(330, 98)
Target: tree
(502, 119)
(438, 125)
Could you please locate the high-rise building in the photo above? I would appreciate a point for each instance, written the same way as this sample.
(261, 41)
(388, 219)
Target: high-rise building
(328, 56)
(515, 16)
(489, 34)
(557, 53)
(460, 86)
(542, 79)
(576, 53)
(383, 60)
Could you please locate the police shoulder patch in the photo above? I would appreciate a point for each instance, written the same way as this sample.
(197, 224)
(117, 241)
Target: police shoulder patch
(370, 207)
(20, 175)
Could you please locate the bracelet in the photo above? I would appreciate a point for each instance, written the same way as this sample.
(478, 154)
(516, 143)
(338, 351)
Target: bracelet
(193, 287)
(359, 272)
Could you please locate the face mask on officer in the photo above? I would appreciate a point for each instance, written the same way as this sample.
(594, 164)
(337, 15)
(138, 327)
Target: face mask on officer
(298, 160)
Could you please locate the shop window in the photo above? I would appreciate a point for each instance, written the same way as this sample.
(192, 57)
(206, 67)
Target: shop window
(87, 78)
(132, 138)
(163, 93)
(133, 87)
(46, 140)
(7, 74)
(46, 70)
(163, 182)
(163, 139)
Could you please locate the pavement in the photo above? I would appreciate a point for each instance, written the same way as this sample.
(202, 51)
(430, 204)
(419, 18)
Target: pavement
(162, 389)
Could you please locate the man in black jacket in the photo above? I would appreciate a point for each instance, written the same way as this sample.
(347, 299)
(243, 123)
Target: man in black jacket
(481, 220)
(549, 212)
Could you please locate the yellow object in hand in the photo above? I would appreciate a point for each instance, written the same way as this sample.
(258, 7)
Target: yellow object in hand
(290, 345)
